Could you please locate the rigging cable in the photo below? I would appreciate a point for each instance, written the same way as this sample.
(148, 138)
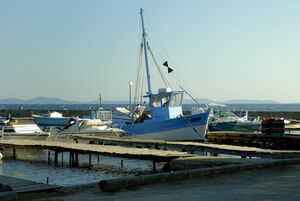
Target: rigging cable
(138, 85)
(163, 77)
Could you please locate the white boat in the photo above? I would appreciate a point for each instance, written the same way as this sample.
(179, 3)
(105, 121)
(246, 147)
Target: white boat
(22, 129)
(98, 124)
(95, 127)
(166, 121)
(222, 119)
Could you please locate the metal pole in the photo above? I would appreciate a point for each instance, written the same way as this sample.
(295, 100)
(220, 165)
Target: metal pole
(130, 85)
(145, 52)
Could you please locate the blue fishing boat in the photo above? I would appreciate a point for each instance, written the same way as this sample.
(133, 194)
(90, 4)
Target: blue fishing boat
(166, 121)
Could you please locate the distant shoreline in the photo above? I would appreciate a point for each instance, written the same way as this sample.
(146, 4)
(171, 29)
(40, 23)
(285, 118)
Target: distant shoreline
(87, 112)
(186, 107)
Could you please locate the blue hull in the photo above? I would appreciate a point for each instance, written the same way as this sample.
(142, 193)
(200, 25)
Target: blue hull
(51, 121)
(190, 127)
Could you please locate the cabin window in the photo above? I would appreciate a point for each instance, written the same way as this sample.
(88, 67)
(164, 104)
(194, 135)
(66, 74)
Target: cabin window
(9, 130)
(165, 100)
(176, 99)
(156, 102)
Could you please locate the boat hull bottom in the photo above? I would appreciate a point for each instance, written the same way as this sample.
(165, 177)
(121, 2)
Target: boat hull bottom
(183, 134)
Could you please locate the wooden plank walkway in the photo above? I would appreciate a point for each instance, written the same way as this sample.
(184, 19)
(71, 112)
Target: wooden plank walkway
(254, 139)
(197, 146)
(24, 186)
(126, 152)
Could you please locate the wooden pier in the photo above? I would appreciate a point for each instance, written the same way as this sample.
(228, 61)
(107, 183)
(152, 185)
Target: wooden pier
(255, 140)
(25, 186)
(214, 149)
(77, 148)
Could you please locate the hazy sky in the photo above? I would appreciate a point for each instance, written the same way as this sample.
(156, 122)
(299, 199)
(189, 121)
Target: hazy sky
(220, 50)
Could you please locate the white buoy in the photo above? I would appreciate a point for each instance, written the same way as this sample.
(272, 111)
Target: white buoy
(1, 156)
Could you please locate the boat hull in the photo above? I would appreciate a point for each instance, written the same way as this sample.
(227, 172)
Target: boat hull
(192, 127)
(50, 121)
(235, 126)
(177, 134)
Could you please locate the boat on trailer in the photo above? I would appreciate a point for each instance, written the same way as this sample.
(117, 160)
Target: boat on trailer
(167, 121)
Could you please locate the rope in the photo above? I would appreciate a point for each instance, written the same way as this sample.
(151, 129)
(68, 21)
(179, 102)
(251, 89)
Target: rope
(167, 84)
(189, 123)
(139, 80)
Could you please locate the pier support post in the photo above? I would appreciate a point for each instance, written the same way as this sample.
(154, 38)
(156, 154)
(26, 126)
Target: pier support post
(122, 166)
(98, 158)
(90, 160)
(62, 158)
(76, 160)
(154, 165)
(14, 153)
(49, 159)
(55, 157)
(70, 159)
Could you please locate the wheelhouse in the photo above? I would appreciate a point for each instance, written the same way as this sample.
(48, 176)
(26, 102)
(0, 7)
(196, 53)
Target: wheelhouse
(166, 104)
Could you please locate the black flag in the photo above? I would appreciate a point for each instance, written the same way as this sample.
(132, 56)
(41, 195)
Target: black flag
(170, 70)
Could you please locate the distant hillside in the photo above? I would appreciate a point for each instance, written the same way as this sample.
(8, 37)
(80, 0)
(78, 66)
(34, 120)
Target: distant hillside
(238, 101)
(251, 102)
(37, 100)
(46, 100)
(11, 101)
(201, 101)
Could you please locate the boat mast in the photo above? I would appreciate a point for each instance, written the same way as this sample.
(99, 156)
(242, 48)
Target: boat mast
(146, 56)
(100, 99)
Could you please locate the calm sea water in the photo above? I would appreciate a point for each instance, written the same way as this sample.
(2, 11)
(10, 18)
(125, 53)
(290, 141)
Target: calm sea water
(249, 107)
(32, 165)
